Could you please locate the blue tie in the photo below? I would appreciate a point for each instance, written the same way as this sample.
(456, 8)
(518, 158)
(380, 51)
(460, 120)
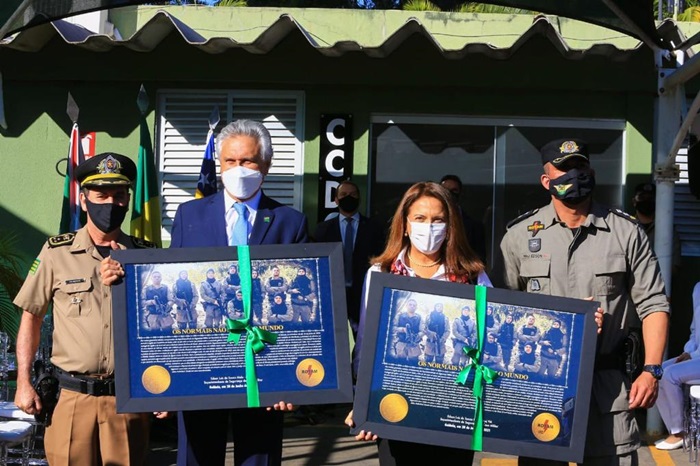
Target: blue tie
(347, 250)
(240, 228)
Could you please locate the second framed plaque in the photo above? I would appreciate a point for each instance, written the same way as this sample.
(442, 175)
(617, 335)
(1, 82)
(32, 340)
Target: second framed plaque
(413, 351)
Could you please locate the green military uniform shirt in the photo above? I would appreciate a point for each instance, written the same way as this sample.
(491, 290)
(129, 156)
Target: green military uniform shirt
(609, 258)
(67, 274)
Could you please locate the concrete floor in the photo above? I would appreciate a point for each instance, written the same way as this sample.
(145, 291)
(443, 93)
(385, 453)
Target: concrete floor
(327, 442)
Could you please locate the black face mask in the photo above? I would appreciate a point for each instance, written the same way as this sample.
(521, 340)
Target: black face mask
(455, 197)
(647, 208)
(573, 187)
(348, 203)
(106, 217)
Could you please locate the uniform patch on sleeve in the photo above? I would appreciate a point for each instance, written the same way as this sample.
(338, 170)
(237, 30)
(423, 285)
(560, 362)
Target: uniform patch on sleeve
(35, 266)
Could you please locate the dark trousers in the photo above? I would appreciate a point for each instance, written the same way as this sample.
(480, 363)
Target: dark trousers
(352, 302)
(525, 461)
(257, 437)
(399, 453)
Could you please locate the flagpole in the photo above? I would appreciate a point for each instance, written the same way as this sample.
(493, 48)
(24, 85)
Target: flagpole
(145, 214)
(206, 185)
(71, 211)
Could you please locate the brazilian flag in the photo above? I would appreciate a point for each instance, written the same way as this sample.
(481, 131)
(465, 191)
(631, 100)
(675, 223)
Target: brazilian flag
(145, 214)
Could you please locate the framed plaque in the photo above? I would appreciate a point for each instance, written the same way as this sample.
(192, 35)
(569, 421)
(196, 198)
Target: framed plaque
(541, 349)
(172, 345)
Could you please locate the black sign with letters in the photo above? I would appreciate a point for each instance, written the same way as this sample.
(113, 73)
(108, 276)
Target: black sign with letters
(335, 159)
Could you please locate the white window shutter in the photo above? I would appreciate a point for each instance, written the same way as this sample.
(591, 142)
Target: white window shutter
(182, 131)
(686, 210)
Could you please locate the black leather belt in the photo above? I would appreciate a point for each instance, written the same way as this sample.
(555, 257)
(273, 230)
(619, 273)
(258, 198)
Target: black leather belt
(85, 384)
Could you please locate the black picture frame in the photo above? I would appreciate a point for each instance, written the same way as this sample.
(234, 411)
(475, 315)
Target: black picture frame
(162, 367)
(403, 396)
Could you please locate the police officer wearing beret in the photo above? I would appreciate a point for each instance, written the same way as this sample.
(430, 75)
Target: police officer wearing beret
(577, 248)
(74, 272)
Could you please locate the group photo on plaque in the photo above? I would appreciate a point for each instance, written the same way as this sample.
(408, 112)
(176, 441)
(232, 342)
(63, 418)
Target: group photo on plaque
(436, 329)
(201, 295)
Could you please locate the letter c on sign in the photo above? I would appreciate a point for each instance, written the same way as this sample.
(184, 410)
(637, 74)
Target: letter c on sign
(332, 155)
(331, 128)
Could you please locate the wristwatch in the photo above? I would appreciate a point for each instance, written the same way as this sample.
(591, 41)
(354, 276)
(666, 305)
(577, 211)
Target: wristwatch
(655, 370)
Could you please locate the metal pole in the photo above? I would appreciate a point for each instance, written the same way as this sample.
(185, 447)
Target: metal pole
(668, 112)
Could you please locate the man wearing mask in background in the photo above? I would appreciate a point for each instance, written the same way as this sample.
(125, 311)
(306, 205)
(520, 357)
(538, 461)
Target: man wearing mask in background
(473, 228)
(362, 239)
(644, 203)
(577, 248)
(241, 214)
(74, 272)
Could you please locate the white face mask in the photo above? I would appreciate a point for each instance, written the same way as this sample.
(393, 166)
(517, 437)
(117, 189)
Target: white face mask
(241, 182)
(427, 237)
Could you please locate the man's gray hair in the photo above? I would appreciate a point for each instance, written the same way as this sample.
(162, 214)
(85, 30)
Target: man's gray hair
(251, 128)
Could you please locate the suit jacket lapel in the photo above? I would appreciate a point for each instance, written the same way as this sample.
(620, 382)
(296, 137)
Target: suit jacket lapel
(263, 220)
(217, 212)
(334, 229)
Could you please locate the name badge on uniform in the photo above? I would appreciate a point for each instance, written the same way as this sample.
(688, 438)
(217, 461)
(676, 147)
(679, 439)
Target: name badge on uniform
(534, 244)
(74, 281)
(535, 285)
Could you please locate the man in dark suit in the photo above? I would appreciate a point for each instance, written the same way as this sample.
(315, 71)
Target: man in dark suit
(473, 228)
(367, 241)
(242, 214)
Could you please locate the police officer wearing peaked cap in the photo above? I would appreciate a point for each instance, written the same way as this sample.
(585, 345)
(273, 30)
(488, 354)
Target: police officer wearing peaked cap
(74, 272)
(106, 169)
(577, 248)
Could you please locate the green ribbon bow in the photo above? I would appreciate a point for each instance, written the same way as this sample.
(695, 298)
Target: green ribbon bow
(255, 336)
(482, 374)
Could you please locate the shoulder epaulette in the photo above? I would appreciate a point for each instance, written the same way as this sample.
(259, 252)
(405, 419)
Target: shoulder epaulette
(522, 217)
(61, 240)
(142, 243)
(625, 215)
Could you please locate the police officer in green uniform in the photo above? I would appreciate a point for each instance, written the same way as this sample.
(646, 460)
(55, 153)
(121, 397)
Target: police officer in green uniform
(74, 272)
(576, 248)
